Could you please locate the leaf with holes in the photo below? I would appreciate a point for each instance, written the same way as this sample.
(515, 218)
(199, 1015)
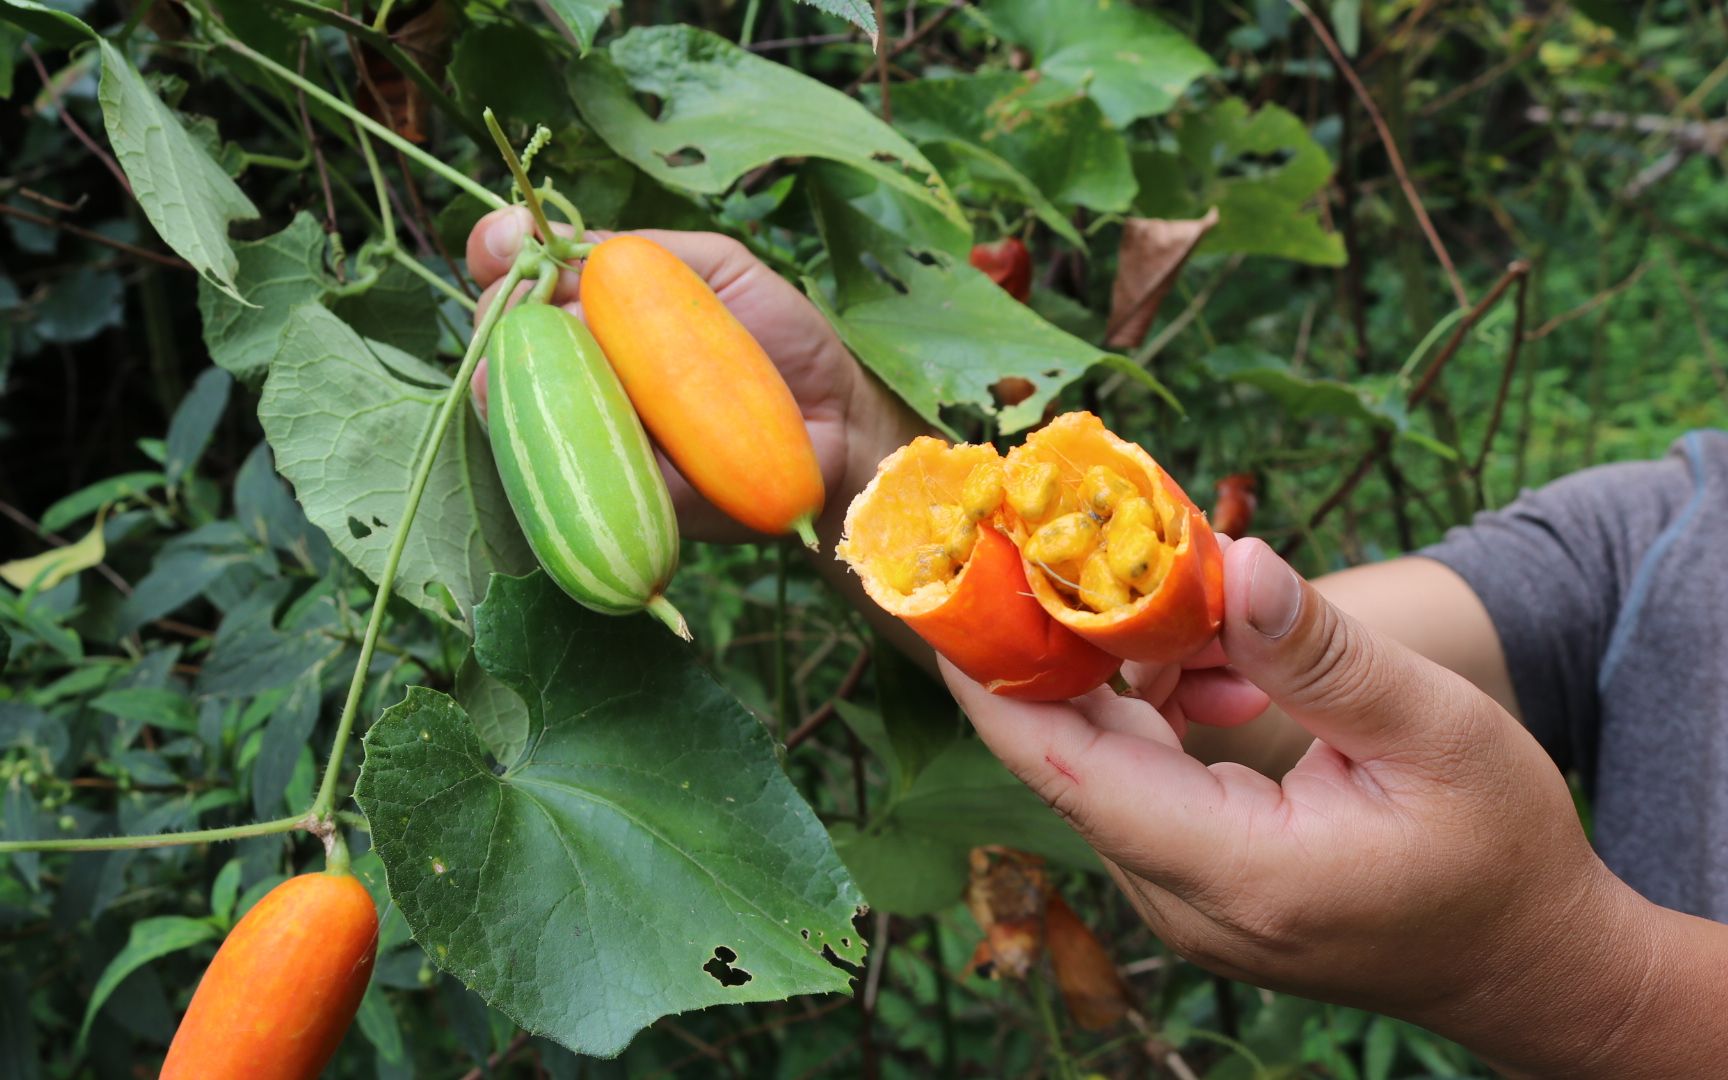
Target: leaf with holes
(187, 196)
(345, 424)
(1127, 59)
(1038, 134)
(938, 332)
(1260, 169)
(724, 111)
(645, 856)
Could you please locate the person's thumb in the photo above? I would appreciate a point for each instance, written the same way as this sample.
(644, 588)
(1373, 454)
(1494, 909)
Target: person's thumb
(1363, 694)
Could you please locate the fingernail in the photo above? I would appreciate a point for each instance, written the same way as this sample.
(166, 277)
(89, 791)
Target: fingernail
(504, 238)
(1274, 596)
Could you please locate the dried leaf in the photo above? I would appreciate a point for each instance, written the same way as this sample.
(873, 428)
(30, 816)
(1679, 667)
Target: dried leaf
(389, 96)
(1233, 513)
(1091, 986)
(1006, 894)
(1153, 251)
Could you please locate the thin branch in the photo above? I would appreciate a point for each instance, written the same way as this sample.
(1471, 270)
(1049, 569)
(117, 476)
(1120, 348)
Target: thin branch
(1589, 305)
(848, 686)
(54, 539)
(1699, 323)
(95, 237)
(72, 125)
(931, 25)
(1391, 146)
(781, 44)
(311, 133)
(1505, 387)
(1383, 441)
(513, 1048)
(882, 59)
(1491, 75)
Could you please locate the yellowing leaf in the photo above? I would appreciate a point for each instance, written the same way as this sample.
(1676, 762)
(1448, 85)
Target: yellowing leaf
(52, 567)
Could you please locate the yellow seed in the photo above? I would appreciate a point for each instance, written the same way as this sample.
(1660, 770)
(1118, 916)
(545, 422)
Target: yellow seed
(982, 492)
(1099, 588)
(961, 539)
(1102, 488)
(924, 564)
(1131, 549)
(1132, 511)
(944, 519)
(1032, 491)
(1068, 537)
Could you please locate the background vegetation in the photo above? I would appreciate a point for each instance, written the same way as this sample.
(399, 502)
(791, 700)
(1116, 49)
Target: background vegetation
(1479, 247)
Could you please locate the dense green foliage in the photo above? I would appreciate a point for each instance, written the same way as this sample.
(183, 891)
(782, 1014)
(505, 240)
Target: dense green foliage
(180, 657)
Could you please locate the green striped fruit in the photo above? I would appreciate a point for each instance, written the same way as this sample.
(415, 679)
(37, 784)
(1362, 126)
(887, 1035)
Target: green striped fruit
(577, 466)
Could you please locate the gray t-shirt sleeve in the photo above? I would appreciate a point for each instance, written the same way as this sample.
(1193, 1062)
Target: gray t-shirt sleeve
(1553, 569)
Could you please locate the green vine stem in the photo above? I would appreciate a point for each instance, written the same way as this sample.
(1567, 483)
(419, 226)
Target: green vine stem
(523, 184)
(120, 843)
(331, 101)
(525, 264)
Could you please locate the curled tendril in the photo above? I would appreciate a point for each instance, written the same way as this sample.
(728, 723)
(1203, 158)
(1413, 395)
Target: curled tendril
(538, 142)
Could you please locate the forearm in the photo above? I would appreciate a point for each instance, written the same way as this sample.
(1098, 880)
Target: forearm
(1636, 992)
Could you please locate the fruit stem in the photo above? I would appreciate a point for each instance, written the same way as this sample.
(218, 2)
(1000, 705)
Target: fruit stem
(336, 862)
(805, 527)
(662, 609)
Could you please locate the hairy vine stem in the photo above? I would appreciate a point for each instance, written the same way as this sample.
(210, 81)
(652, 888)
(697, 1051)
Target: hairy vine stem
(434, 438)
(331, 101)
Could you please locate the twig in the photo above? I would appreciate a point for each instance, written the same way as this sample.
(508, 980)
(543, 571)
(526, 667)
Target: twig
(1589, 305)
(781, 44)
(330, 226)
(882, 59)
(931, 25)
(1391, 146)
(1464, 90)
(1505, 388)
(1151, 349)
(22, 519)
(1698, 323)
(1383, 441)
(848, 686)
(1400, 34)
(95, 237)
(73, 125)
(785, 1020)
(55, 204)
(515, 1047)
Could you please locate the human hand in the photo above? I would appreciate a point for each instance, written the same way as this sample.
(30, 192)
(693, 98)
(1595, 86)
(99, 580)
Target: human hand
(1424, 859)
(853, 420)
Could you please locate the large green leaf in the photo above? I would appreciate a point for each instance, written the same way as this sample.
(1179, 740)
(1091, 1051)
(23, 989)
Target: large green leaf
(1127, 59)
(582, 17)
(149, 940)
(938, 332)
(345, 428)
(280, 272)
(645, 856)
(1058, 143)
(51, 25)
(724, 111)
(186, 195)
(911, 860)
(273, 277)
(1259, 169)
